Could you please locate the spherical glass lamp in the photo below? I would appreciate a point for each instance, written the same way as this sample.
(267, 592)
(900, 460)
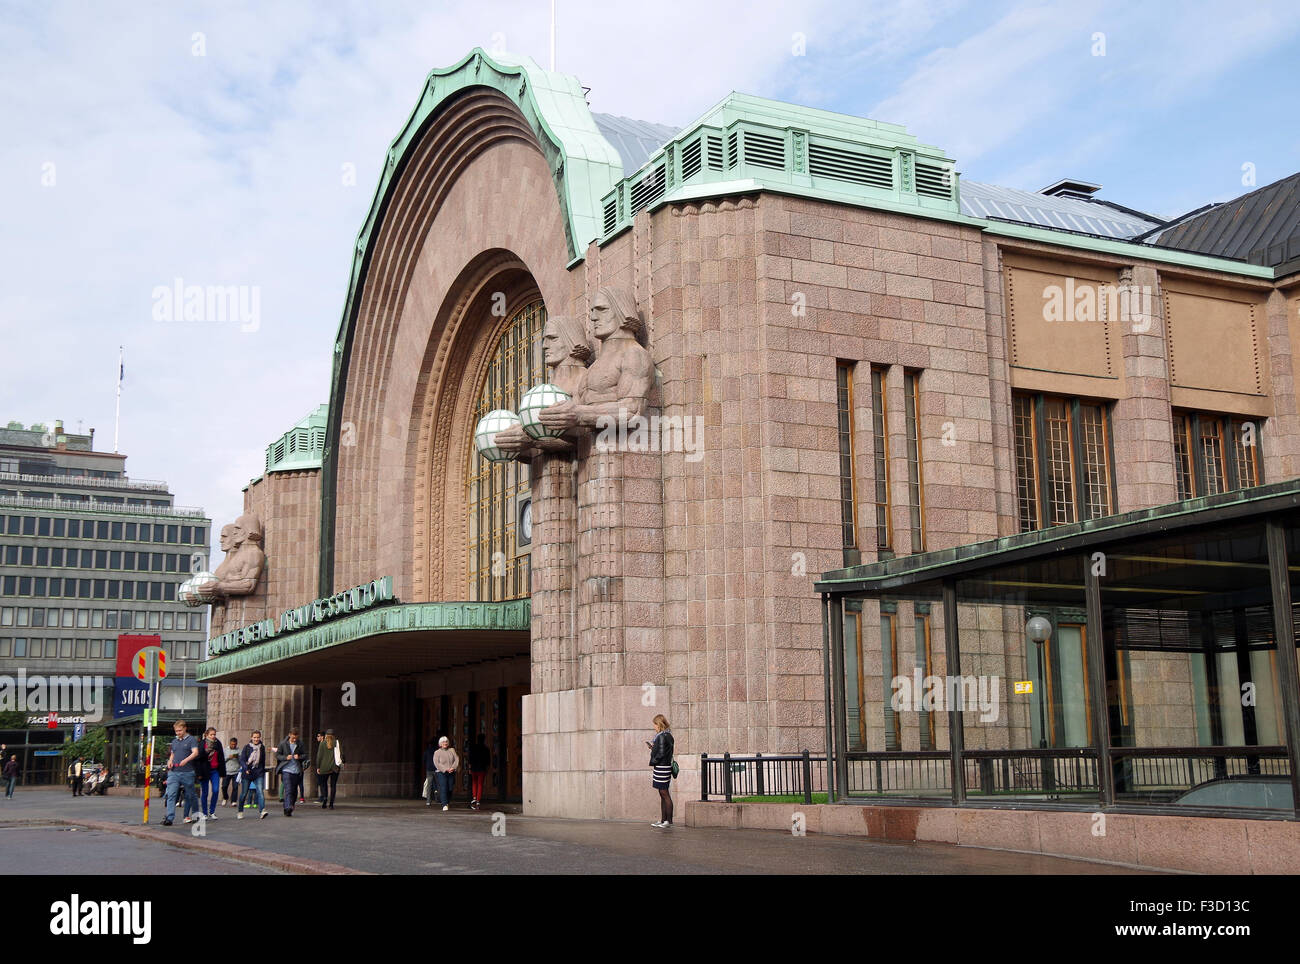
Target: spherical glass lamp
(1038, 629)
(530, 406)
(485, 434)
(197, 590)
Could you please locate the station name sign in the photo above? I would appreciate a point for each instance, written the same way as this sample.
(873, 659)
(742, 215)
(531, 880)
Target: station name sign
(318, 611)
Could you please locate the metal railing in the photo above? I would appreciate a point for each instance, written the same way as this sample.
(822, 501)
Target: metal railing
(82, 481)
(1162, 773)
(793, 775)
(60, 505)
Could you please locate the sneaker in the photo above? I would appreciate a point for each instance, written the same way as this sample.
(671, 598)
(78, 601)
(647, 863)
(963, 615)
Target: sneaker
(263, 815)
(445, 808)
(212, 815)
(166, 823)
(288, 813)
(188, 820)
(657, 823)
(239, 816)
(428, 803)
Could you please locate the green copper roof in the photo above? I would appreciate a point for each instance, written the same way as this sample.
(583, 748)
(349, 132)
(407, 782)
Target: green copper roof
(451, 617)
(749, 143)
(301, 446)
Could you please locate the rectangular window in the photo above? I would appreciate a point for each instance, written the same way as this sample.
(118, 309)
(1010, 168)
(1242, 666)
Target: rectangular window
(43, 527)
(65, 648)
(1062, 451)
(200, 535)
(60, 528)
(915, 491)
(1214, 453)
(889, 652)
(153, 618)
(158, 534)
(110, 619)
(186, 535)
(116, 532)
(28, 555)
(173, 533)
(56, 558)
(29, 525)
(11, 555)
(880, 458)
(848, 502)
(167, 620)
(101, 530)
(81, 649)
(130, 532)
(924, 663)
(74, 528)
(42, 555)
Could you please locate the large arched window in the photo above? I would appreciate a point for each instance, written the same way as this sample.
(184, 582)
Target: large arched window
(498, 565)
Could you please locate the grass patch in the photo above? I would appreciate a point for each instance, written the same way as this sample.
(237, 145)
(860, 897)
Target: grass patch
(786, 798)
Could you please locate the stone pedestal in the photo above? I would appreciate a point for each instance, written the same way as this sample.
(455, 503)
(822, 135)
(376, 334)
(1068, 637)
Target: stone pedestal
(585, 754)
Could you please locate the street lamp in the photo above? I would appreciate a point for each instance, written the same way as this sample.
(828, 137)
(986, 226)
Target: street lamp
(1039, 630)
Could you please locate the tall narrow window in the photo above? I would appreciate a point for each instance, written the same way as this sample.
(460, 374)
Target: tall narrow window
(889, 654)
(880, 452)
(848, 501)
(915, 491)
(924, 665)
(1214, 453)
(1062, 452)
(497, 568)
(1026, 464)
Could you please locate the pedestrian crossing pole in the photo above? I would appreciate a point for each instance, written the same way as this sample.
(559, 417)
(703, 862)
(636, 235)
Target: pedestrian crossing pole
(150, 666)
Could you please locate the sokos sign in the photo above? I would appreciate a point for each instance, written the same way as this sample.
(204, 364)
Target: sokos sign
(318, 611)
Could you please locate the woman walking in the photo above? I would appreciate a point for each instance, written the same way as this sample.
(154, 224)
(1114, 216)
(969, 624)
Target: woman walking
(230, 779)
(213, 759)
(252, 770)
(329, 760)
(661, 763)
(446, 763)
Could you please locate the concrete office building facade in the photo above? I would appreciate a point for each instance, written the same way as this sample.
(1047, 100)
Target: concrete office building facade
(87, 554)
(882, 359)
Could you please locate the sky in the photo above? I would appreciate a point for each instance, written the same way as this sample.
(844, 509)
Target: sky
(239, 144)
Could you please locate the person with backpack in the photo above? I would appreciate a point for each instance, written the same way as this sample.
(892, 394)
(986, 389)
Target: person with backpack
(329, 761)
(661, 764)
(252, 771)
(210, 765)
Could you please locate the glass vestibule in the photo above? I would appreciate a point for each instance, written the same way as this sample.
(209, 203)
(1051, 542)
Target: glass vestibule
(1177, 675)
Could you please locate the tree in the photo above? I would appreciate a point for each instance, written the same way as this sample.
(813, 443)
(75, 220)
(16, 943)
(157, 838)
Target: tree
(91, 745)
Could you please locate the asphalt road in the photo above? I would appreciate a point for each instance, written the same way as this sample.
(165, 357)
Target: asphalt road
(405, 837)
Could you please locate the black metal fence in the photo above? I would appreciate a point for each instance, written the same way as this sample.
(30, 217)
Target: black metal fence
(1151, 774)
(731, 777)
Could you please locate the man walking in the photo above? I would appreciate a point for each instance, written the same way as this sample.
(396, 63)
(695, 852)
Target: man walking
(180, 773)
(291, 756)
(75, 772)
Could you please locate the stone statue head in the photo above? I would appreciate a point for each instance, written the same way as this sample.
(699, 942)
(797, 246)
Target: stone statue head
(613, 308)
(563, 338)
(230, 537)
(251, 527)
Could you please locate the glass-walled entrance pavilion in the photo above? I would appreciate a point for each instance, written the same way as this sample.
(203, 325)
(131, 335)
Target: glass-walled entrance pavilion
(1142, 661)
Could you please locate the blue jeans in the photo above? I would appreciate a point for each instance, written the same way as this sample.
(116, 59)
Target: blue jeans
(211, 786)
(178, 780)
(9, 790)
(291, 785)
(252, 788)
(444, 786)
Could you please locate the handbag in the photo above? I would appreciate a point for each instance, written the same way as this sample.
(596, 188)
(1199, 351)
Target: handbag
(676, 769)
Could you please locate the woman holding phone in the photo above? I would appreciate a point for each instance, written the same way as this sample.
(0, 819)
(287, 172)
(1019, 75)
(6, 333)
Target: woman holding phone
(661, 764)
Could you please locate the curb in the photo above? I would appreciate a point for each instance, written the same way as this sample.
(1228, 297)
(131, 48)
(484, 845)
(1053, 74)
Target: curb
(248, 855)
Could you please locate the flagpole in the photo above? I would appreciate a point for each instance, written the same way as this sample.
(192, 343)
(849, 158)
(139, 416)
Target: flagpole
(117, 415)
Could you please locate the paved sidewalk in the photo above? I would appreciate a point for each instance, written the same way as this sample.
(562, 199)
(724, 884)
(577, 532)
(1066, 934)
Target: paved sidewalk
(405, 837)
